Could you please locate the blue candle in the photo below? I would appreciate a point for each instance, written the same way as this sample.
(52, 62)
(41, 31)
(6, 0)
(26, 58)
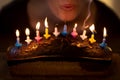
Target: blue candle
(64, 32)
(18, 44)
(104, 44)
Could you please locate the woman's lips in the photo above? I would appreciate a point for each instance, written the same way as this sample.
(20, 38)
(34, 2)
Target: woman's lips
(67, 7)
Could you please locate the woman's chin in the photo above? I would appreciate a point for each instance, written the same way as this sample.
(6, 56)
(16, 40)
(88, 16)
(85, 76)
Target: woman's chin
(67, 18)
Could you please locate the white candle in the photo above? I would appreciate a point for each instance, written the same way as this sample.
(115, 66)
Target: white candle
(56, 33)
(83, 36)
(28, 40)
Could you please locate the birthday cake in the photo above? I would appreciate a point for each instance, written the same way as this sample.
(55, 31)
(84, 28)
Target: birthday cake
(61, 46)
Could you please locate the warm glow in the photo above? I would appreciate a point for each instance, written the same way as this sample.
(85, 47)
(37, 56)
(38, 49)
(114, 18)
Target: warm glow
(104, 32)
(38, 25)
(17, 33)
(84, 36)
(56, 30)
(46, 23)
(27, 31)
(56, 33)
(92, 28)
(84, 32)
(75, 26)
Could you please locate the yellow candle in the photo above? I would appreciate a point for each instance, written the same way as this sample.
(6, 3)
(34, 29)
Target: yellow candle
(92, 28)
(92, 40)
(46, 35)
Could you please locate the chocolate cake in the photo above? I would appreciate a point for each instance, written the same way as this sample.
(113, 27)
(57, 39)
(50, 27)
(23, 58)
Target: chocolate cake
(61, 46)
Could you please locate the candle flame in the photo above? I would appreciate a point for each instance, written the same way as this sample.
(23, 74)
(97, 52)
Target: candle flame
(27, 31)
(56, 30)
(46, 23)
(17, 33)
(38, 25)
(75, 26)
(92, 28)
(104, 32)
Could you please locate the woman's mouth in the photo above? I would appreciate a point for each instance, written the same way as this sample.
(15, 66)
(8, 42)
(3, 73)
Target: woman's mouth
(67, 7)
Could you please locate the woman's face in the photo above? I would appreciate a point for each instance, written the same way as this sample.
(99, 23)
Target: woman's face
(66, 10)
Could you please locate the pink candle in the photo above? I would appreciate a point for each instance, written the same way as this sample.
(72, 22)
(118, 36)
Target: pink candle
(74, 33)
(38, 38)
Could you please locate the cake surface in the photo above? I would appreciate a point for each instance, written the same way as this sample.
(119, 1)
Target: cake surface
(61, 46)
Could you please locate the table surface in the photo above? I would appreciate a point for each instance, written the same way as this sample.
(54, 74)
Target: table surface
(53, 70)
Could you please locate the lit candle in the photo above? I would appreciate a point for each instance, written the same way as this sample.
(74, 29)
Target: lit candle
(46, 35)
(92, 29)
(64, 32)
(56, 33)
(18, 44)
(38, 38)
(74, 33)
(28, 40)
(104, 44)
(83, 36)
